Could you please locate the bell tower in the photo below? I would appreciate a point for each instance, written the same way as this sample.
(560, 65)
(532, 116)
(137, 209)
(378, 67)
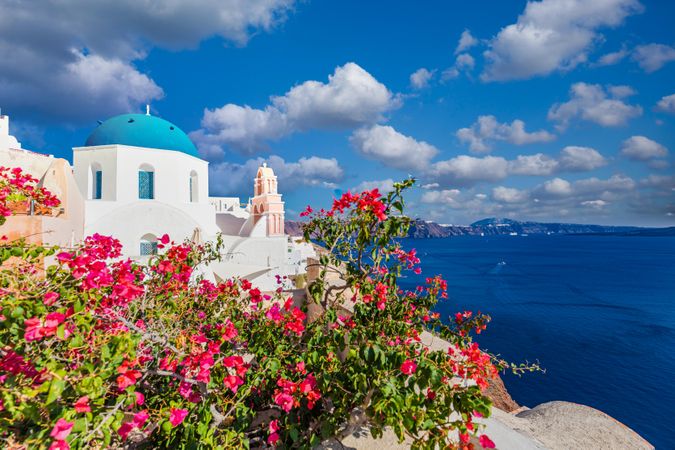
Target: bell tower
(267, 201)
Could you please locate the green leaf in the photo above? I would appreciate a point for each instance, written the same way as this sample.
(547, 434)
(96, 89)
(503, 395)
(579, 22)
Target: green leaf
(55, 390)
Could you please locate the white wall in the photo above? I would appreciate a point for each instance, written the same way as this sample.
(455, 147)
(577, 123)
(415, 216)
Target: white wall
(66, 226)
(6, 139)
(229, 224)
(130, 222)
(121, 213)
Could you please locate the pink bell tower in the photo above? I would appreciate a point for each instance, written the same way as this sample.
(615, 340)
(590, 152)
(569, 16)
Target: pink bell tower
(267, 201)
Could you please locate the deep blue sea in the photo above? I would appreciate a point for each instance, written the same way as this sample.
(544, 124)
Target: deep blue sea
(597, 312)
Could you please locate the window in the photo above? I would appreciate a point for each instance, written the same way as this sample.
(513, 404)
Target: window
(146, 184)
(98, 184)
(194, 187)
(95, 182)
(148, 245)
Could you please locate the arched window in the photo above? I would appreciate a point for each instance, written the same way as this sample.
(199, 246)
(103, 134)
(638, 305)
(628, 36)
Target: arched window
(95, 182)
(194, 187)
(146, 182)
(148, 245)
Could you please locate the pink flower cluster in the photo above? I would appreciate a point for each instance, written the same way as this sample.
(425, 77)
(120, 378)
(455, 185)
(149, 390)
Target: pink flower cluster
(408, 259)
(37, 329)
(16, 182)
(138, 421)
(290, 393)
(60, 432)
(368, 201)
(14, 364)
(127, 375)
(379, 295)
(292, 317)
(234, 380)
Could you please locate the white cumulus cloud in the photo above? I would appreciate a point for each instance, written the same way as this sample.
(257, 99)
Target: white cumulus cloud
(537, 164)
(420, 78)
(641, 148)
(580, 159)
(667, 104)
(449, 197)
(464, 170)
(595, 204)
(385, 144)
(350, 98)
(487, 129)
(463, 63)
(383, 186)
(509, 195)
(609, 59)
(652, 57)
(466, 41)
(228, 178)
(552, 35)
(592, 103)
(571, 159)
(557, 187)
(74, 61)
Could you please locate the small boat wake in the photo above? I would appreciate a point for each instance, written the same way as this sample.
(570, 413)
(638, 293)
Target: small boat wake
(497, 268)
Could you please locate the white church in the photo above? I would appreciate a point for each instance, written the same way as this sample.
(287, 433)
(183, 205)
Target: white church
(138, 177)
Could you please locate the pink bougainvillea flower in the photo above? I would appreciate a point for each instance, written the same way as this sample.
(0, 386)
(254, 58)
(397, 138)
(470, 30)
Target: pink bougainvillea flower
(61, 430)
(177, 416)
(140, 418)
(165, 267)
(273, 437)
(308, 384)
(284, 400)
(82, 405)
(274, 313)
(140, 398)
(233, 361)
(50, 298)
(59, 445)
(408, 367)
(165, 239)
(33, 329)
(486, 442)
(52, 322)
(233, 382)
(125, 429)
(127, 376)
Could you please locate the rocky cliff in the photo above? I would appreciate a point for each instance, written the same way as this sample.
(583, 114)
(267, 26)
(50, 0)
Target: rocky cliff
(423, 229)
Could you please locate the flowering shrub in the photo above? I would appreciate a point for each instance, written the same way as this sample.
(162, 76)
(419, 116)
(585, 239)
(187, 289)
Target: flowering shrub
(102, 352)
(16, 187)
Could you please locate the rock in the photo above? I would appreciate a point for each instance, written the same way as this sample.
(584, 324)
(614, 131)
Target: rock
(565, 425)
(500, 397)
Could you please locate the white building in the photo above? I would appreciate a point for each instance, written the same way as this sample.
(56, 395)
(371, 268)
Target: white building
(140, 177)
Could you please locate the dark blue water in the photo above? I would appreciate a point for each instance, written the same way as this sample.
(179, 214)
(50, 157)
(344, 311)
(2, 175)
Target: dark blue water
(597, 312)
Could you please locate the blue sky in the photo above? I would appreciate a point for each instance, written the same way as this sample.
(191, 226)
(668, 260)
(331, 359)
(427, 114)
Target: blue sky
(555, 110)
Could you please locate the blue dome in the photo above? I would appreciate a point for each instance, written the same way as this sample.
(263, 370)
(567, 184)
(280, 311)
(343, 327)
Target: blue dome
(141, 130)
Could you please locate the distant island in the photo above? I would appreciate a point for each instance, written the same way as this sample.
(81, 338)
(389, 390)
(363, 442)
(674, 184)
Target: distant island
(425, 229)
